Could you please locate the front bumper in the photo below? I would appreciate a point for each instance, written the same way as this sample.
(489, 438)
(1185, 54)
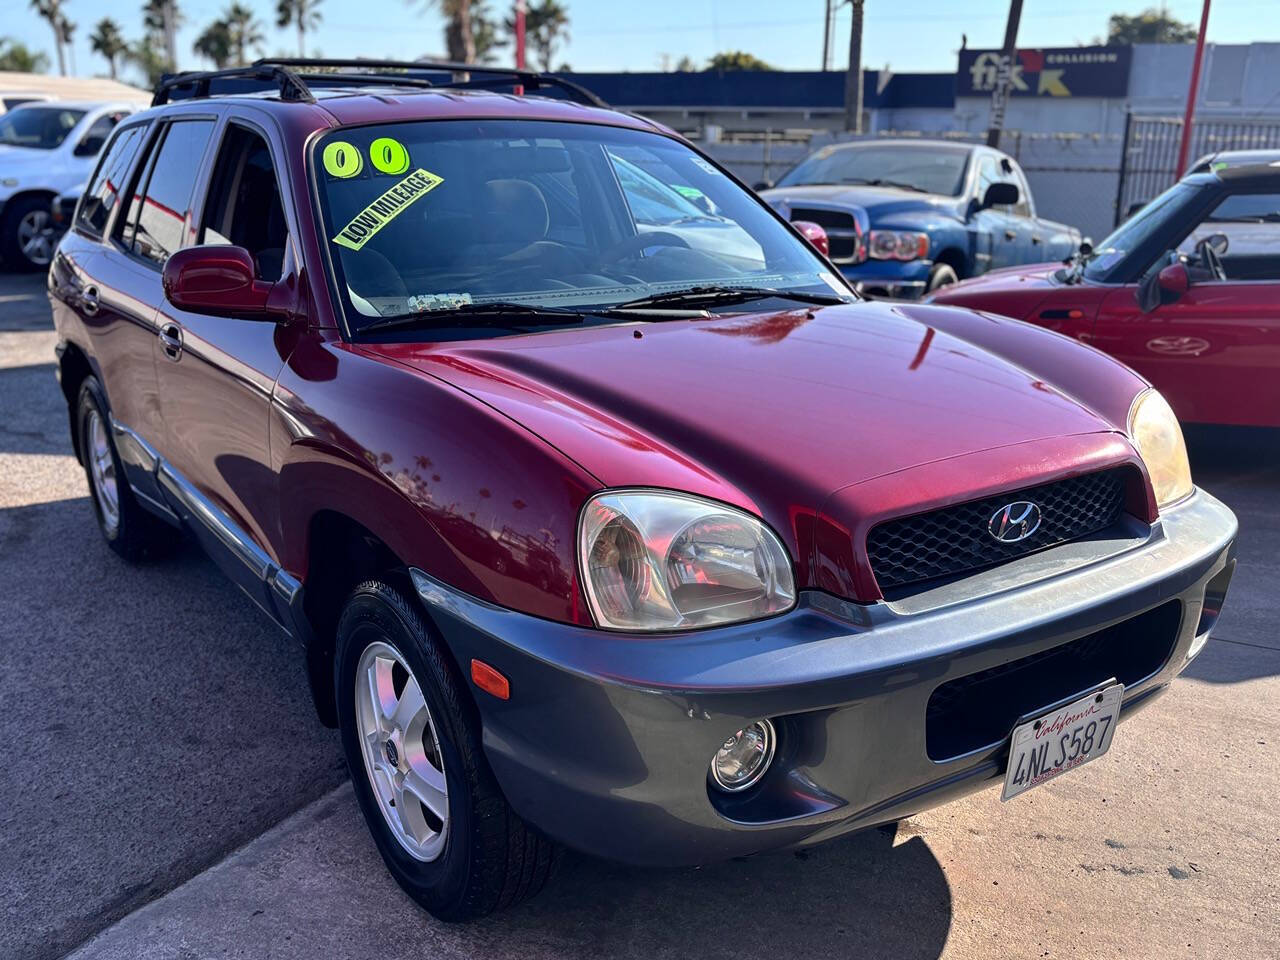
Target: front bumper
(897, 279)
(605, 741)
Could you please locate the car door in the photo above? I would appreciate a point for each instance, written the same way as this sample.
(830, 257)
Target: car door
(1214, 351)
(995, 223)
(216, 374)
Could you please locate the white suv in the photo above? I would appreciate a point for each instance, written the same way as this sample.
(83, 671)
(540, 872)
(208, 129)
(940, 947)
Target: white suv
(45, 149)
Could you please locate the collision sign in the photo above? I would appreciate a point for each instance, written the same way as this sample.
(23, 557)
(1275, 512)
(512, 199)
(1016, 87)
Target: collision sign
(1055, 72)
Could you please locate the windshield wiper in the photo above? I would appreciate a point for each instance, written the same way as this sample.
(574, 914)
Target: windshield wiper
(725, 295)
(489, 314)
(879, 182)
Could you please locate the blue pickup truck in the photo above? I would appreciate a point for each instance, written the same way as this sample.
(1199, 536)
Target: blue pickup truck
(905, 217)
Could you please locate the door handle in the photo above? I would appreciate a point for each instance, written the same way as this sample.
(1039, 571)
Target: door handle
(171, 339)
(89, 302)
(1011, 234)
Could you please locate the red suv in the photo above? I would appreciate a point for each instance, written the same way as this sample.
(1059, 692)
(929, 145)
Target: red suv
(604, 512)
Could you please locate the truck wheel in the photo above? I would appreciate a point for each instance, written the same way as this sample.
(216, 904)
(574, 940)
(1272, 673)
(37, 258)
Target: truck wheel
(127, 527)
(412, 738)
(25, 241)
(942, 275)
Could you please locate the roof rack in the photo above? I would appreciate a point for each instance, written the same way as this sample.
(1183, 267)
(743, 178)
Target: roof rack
(294, 77)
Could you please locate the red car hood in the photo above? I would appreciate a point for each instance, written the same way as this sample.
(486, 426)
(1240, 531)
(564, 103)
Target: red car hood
(1013, 291)
(775, 411)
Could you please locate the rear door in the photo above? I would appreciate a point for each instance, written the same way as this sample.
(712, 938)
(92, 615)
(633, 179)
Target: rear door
(216, 374)
(1215, 352)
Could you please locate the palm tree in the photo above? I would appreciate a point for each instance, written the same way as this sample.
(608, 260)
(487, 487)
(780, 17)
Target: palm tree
(246, 32)
(303, 14)
(162, 19)
(67, 29)
(107, 41)
(459, 32)
(484, 33)
(546, 24)
(215, 44)
(16, 56)
(51, 11)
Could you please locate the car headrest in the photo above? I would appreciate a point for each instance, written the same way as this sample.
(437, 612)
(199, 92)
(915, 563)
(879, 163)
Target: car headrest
(516, 210)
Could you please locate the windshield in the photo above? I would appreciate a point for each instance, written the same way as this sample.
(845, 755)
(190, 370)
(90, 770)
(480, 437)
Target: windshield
(431, 215)
(931, 169)
(41, 128)
(1136, 230)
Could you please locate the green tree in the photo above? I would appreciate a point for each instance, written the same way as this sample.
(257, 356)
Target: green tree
(459, 26)
(51, 12)
(150, 59)
(737, 60)
(161, 19)
(246, 32)
(1150, 26)
(16, 56)
(214, 43)
(686, 65)
(546, 25)
(485, 34)
(303, 14)
(107, 41)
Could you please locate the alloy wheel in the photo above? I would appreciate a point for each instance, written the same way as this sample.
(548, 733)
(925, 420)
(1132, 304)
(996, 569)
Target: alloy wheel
(34, 239)
(401, 751)
(102, 472)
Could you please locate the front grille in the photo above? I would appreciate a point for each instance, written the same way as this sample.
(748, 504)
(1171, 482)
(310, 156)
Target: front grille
(979, 710)
(841, 227)
(956, 540)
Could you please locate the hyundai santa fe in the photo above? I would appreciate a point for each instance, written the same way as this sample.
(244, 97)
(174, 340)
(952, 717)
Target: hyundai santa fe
(604, 514)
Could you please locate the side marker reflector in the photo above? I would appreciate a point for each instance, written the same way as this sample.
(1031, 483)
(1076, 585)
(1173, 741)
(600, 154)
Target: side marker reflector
(490, 680)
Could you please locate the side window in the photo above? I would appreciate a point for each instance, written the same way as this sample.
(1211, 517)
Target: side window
(1250, 225)
(1023, 207)
(97, 134)
(244, 202)
(162, 200)
(988, 173)
(108, 181)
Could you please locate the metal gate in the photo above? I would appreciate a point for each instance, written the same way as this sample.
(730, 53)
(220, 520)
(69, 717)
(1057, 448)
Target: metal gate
(1149, 157)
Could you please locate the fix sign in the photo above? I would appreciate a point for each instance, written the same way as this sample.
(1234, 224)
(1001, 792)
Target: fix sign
(1056, 72)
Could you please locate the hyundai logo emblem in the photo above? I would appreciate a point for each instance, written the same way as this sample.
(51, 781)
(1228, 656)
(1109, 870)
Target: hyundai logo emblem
(1014, 521)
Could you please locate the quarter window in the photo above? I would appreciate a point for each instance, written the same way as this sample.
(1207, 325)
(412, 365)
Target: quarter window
(108, 181)
(161, 204)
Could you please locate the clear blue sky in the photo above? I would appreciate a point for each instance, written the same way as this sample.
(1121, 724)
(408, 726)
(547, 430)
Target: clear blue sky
(908, 35)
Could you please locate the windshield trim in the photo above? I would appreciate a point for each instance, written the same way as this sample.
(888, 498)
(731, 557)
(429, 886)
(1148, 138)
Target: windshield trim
(341, 304)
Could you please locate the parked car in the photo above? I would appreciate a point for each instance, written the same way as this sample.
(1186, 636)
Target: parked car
(906, 217)
(1186, 292)
(592, 535)
(45, 149)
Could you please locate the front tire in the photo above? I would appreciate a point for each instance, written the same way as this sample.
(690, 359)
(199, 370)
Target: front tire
(942, 275)
(25, 240)
(412, 739)
(127, 527)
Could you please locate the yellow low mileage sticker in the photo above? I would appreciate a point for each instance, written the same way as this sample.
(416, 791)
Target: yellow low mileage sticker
(395, 201)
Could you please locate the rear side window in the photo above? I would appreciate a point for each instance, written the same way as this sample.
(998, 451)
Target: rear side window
(108, 181)
(161, 203)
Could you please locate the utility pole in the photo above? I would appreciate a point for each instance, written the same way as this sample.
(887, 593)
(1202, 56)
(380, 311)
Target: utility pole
(1185, 145)
(826, 39)
(520, 11)
(853, 79)
(1004, 79)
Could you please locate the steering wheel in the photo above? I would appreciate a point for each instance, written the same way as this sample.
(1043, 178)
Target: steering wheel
(1209, 258)
(637, 243)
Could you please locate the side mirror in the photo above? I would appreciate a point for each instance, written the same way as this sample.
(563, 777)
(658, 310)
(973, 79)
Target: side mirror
(1000, 195)
(815, 235)
(1164, 283)
(762, 185)
(219, 280)
(1086, 247)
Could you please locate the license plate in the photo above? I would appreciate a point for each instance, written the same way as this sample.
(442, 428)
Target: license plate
(1061, 740)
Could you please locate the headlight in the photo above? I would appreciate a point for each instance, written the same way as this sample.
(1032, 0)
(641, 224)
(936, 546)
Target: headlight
(897, 245)
(671, 561)
(1154, 430)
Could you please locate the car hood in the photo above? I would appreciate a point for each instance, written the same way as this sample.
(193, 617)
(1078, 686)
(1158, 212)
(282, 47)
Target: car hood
(880, 203)
(1014, 291)
(774, 412)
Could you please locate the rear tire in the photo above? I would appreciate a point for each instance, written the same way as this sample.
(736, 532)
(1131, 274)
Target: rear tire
(127, 527)
(479, 856)
(942, 275)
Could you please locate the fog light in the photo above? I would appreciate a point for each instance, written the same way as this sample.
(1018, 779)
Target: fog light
(744, 757)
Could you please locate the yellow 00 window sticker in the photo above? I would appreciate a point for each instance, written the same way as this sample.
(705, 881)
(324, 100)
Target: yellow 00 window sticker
(393, 202)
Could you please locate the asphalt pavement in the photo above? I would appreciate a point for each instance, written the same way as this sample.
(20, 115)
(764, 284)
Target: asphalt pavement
(167, 792)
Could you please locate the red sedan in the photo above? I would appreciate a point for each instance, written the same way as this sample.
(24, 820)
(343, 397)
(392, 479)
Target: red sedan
(1187, 292)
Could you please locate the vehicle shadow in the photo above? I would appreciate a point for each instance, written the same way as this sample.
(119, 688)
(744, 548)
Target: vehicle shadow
(858, 896)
